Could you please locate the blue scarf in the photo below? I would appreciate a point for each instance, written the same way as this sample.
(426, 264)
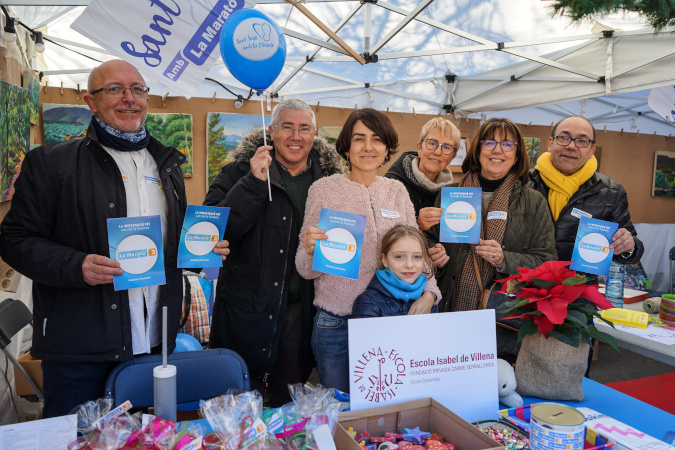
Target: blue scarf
(117, 140)
(400, 289)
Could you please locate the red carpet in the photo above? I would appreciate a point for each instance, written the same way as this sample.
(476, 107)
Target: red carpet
(658, 391)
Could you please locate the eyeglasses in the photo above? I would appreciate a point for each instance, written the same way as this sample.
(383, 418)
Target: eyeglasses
(118, 91)
(287, 129)
(489, 144)
(432, 144)
(579, 142)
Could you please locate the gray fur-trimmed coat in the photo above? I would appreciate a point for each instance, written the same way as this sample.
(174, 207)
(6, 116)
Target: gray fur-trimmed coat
(263, 235)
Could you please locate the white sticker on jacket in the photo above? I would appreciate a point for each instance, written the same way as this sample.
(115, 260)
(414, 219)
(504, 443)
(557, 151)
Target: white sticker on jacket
(501, 215)
(579, 213)
(390, 214)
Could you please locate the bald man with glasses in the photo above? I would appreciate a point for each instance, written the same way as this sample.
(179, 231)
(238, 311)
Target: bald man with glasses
(567, 176)
(55, 233)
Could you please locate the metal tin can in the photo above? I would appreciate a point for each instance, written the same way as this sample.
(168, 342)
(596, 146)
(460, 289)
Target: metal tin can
(556, 427)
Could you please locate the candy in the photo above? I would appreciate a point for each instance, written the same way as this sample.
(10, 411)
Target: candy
(382, 439)
(415, 435)
(435, 437)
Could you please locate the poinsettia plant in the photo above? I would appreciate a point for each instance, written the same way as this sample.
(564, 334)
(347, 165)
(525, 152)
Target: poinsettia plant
(548, 300)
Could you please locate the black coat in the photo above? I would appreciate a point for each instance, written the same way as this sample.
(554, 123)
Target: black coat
(64, 195)
(377, 301)
(602, 197)
(263, 235)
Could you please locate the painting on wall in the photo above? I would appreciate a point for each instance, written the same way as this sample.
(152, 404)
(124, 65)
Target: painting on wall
(66, 122)
(664, 174)
(532, 147)
(461, 154)
(224, 132)
(14, 134)
(174, 130)
(33, 86)
(329, 133)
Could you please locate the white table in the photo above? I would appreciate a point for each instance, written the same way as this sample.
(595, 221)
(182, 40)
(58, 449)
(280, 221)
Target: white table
(651, 349)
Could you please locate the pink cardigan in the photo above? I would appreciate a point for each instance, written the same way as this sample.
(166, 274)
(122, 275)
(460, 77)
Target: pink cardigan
(336, 294)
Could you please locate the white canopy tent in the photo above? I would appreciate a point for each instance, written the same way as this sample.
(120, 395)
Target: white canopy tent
(483, 56)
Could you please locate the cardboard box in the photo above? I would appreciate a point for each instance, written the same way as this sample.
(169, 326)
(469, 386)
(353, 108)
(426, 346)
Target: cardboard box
(425, 413)
(33, 367)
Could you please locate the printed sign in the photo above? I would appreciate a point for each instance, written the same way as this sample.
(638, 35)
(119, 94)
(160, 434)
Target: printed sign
(174, 42)
(340, 254)
(591, 247)
(203, 228)
(448, 356)
(136, 242)
(461, 218)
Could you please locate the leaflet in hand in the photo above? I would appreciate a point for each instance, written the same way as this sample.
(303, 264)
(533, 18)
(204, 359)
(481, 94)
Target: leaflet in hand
(461, 217)
(136, 242)
(203, 228)
(591, 247)
(341, 254)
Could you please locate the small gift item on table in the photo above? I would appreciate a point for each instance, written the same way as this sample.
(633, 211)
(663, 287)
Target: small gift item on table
(415, 435)
(102, 426)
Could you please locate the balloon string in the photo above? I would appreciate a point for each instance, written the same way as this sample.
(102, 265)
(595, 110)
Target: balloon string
(262, 112)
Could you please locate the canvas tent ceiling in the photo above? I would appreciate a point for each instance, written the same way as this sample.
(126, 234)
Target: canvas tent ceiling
(417, 45)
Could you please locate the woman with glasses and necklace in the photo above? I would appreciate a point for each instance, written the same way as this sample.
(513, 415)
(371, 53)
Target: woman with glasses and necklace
(366, 141)
(426, 171)
(516, 227)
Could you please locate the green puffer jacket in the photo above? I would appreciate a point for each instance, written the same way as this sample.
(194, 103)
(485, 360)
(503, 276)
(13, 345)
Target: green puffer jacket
(529, 241)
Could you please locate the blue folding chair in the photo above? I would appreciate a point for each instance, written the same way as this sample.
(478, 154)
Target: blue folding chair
(200, 375)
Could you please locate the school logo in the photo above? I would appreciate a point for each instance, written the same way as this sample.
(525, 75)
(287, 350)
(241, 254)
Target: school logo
(201, 238)
(340, 247)
(378, 373)
(136, 254)
(460, 216)
(594, 248)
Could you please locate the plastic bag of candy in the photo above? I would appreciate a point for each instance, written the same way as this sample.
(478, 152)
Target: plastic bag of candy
(161, 434)
(103, 427)
(237, 424)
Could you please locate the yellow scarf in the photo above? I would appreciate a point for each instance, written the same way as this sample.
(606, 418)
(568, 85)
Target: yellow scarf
(562, 187)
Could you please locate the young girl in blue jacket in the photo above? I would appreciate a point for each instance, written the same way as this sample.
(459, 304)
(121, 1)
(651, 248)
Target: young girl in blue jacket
(403, 270)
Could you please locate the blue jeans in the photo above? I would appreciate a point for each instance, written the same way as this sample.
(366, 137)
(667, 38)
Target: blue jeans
(330, 345)
(67, 385)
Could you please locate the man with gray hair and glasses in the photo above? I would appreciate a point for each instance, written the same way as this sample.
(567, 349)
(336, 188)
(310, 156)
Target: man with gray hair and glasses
(263, 308)
(567, 176)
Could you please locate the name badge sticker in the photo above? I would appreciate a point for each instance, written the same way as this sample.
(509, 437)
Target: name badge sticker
(501, 215)
(579, 213)
(390, 214)
(153, 180)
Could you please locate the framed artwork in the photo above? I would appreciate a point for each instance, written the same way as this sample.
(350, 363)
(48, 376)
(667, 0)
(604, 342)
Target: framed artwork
(66, 122)
(224, 132)
(15, 117)
(663, 184)
(329, 133)
(174, 130)
(33, 86)
(532, 147)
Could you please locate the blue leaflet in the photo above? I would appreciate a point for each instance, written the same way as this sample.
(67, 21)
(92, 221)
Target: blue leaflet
(341, 254)
(461, 217)
(203, 228)
(591, 247)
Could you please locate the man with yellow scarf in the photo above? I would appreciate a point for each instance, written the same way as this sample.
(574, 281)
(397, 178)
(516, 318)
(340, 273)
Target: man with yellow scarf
(567, 176)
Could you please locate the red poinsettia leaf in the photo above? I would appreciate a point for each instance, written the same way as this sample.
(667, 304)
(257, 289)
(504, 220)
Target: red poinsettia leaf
(554, 309)
(569, 293)
(563, 273)
(591, 293)
(547, 267)
(543, 325)
(533, 294)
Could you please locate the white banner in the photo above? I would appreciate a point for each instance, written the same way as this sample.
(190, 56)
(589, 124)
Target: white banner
(662, 102)
(448, 356)
(173, 41)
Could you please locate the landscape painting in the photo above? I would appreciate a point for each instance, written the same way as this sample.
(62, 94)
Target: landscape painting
(532, 146)
(224, 132)
(15, 117)
(664, 174)
(174, 130)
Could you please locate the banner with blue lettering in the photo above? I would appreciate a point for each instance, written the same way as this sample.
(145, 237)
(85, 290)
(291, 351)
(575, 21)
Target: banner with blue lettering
(203, 228)
(591, 246)
(174, 41)
(461, 217)
(136, 242)
(340, 254)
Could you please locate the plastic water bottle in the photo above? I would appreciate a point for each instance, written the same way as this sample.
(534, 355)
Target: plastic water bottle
(614, 286)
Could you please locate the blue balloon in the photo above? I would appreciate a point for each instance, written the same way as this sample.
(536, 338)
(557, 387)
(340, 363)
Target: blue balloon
(253, 48)
(186, 343)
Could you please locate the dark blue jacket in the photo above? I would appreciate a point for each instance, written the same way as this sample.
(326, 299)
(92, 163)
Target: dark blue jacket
(377, 301)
